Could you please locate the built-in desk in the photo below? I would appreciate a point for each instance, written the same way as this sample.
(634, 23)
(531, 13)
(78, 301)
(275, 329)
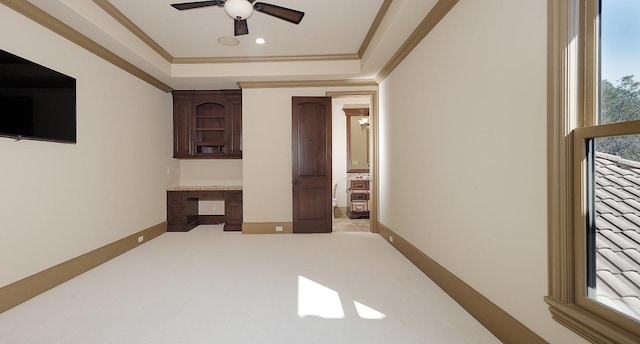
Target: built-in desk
(182, 207)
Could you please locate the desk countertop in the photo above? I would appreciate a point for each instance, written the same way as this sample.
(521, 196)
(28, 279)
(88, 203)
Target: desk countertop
(205, 188)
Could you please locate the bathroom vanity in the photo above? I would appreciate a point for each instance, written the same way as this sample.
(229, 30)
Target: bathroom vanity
(358, 198)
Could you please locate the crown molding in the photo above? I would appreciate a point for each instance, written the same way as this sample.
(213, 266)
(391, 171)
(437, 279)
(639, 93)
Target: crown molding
(43, 18)
(439, 11)
(133, 28)
(254, 59)
(374, 27)
(307, 83)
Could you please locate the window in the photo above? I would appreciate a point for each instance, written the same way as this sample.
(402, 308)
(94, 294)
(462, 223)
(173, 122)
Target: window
(594, 168)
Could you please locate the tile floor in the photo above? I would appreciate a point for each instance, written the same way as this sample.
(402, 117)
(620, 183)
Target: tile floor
(345, 224)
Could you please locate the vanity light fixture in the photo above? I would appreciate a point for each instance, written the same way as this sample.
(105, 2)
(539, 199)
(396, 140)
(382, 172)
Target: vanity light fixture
(364, 123)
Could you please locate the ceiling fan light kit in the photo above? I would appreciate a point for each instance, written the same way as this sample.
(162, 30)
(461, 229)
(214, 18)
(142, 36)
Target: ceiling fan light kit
(240, 10)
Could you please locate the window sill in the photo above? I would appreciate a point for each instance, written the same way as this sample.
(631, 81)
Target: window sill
(587, 325)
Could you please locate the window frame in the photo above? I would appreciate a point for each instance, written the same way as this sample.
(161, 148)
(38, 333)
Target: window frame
(571, 113)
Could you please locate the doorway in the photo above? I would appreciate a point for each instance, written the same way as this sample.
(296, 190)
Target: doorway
(342, 179)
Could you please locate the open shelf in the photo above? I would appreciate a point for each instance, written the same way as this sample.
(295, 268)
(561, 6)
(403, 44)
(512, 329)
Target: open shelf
(207, 124)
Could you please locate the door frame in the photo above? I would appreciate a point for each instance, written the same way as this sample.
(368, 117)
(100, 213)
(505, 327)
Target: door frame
(374, 169)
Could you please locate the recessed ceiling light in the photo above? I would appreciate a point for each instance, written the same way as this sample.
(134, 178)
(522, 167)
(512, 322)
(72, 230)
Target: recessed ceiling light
(228, 41)
(261, 41)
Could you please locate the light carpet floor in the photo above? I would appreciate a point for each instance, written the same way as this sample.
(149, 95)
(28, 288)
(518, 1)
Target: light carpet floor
(208, 286)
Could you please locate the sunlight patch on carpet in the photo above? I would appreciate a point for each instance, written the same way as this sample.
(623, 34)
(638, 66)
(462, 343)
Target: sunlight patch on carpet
(314, 299)
(366, 312)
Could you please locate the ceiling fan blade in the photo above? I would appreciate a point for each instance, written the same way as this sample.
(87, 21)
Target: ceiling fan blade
(283, 13)
(197, 4)
(240, 27)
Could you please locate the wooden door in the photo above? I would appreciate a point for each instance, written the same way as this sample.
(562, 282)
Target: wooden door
(311, 164)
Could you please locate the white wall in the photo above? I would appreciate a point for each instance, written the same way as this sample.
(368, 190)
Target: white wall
(339, 149)
(58, 201)
(199, 172)
(463, 154)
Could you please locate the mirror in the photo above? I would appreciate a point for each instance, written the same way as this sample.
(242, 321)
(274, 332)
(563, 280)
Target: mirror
(357, 140)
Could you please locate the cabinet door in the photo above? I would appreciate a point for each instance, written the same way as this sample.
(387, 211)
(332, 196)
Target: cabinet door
(360, 196)
(233, 212)
(176, 208)
(359, 206)
(182, 131)
(360, 185)
(235, 101)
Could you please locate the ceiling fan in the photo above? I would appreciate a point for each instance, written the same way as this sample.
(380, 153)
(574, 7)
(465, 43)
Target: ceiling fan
(240, 10)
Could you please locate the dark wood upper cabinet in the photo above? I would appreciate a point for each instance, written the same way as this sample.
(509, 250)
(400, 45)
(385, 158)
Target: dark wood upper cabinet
(207, 124)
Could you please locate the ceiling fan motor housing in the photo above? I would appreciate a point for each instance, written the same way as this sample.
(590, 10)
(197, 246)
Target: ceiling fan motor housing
(238, 9)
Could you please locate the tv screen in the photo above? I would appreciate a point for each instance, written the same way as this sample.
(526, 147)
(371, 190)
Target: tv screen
(36, 102)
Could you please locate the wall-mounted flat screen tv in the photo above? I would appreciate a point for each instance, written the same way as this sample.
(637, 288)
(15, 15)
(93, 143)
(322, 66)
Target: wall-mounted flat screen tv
(36, 102)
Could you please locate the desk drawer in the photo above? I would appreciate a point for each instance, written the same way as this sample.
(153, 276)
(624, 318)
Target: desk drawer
(233, 195)
(207, 195)
(176, 199)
